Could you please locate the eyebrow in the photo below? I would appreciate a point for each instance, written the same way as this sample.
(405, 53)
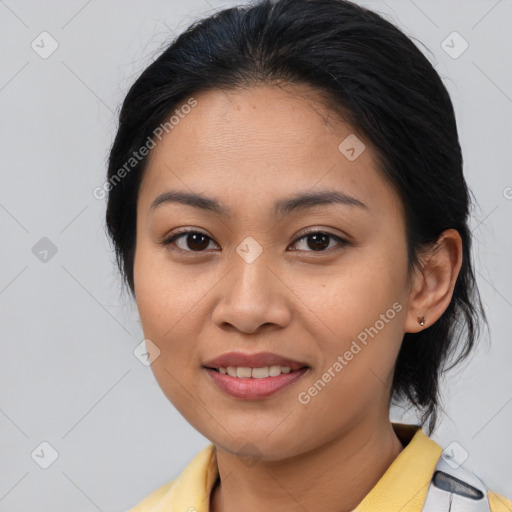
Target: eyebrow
(281, 207)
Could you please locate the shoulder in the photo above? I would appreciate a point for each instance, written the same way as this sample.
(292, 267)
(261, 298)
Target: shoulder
(149, 502)
(499, 503)
(455, 488)
(188, 490)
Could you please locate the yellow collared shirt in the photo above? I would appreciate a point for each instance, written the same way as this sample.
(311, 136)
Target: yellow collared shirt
(402, 488)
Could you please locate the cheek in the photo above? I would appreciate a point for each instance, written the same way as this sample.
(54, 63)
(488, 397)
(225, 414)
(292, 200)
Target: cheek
(165, 295)
(168, 318)
(356, 293)
(362, 309)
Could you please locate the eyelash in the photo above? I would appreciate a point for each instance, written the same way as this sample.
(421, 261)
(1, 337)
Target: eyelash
(170, 240)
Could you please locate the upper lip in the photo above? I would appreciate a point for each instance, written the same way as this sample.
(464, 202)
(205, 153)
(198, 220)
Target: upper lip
(257, 360)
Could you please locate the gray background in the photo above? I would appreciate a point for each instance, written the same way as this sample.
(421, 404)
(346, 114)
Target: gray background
(68, 374)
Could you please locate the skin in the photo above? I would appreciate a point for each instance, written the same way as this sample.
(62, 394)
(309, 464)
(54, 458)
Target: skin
(248, 148)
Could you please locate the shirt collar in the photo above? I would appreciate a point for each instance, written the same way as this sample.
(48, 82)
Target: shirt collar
(402, 488)
(404, 485)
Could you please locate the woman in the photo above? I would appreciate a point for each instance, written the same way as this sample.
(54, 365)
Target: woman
(288, 209)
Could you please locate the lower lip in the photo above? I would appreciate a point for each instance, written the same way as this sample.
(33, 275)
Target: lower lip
(254, 389)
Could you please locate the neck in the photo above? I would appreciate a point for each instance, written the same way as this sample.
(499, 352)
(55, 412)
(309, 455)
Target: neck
(334, 477)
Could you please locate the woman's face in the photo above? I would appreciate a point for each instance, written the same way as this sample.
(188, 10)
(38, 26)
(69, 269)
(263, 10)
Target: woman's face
(250, 279)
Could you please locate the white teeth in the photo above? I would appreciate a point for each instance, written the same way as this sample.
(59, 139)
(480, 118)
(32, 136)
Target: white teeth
(274, 371)
(243, 371)
(260, 373)
(255, 373)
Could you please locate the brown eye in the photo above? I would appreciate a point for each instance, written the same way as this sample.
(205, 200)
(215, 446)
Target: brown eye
(319, 241)
(190, 241)
(195, 241)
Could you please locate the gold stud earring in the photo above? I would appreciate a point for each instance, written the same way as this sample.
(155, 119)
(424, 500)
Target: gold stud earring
(421, 320)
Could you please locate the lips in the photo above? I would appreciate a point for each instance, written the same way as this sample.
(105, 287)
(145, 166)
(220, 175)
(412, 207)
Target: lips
(257, 360)
(254, 389)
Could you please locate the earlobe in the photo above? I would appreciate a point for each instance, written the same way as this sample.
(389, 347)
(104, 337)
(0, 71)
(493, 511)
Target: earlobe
(434, 282)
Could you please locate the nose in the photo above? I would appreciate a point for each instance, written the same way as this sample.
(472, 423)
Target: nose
(252, 295)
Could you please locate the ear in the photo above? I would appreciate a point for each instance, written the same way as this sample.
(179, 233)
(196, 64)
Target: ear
(433, 284)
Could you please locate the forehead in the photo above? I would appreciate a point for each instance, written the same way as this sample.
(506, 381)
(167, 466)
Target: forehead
(258, 143)
(225, 123)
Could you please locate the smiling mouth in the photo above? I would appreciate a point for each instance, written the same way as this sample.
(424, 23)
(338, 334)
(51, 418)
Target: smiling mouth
(255, 383)
(247, 372)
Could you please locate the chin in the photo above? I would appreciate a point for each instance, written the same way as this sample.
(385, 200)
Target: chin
(256, 445)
